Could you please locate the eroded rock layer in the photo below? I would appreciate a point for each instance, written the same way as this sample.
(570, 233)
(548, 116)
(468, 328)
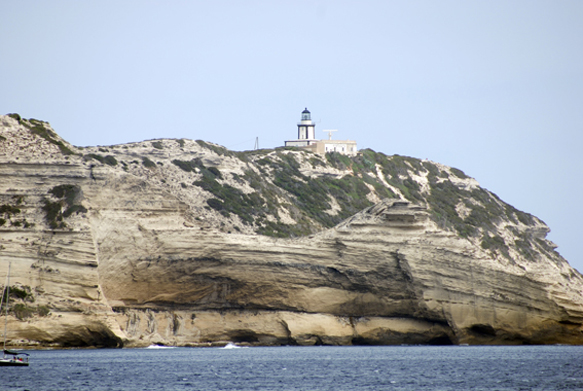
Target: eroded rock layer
(184, 243)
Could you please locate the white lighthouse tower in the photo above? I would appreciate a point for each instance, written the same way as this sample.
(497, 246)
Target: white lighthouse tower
(306, 128)
(307, 139)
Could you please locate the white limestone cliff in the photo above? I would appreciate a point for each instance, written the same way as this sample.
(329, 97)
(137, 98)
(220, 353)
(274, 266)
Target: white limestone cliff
(184, 243)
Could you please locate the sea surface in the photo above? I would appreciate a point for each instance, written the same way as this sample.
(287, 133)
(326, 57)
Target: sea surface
(303, 368)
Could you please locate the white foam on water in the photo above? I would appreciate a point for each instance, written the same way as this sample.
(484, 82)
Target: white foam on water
(231, 345)
(160, 347)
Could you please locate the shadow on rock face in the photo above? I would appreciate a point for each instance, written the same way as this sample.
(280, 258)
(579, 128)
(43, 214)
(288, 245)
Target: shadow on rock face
(99, 337)
(407, 339)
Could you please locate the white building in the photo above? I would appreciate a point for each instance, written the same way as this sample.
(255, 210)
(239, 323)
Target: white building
(307, 139)
(306, 132)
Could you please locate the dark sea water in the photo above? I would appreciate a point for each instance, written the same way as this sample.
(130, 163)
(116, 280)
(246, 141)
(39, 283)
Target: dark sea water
(303, 368)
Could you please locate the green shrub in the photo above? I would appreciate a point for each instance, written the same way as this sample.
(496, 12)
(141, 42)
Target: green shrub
(67, 192)
(22, 311)
(110, 160)
(74, 209)
(20, 293)
(459, 173)
(9, 210)
(215, 203)
(38, 127)
(229, 199)
(147, 162)
(215, 171)
(95, 156)
(65, 206)
(221, 151)
(338, 160)
(316, 162)
(190, 166)
(525, 248)
(43, 310)
(158, 145)
(53, 214)
(495, 244)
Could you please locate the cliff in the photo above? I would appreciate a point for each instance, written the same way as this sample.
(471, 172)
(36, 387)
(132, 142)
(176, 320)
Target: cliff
(183, 242)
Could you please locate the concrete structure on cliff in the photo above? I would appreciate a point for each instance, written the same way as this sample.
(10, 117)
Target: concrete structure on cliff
(307, 139)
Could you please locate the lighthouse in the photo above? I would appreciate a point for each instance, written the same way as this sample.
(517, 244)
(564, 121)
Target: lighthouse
(306, 128)
(307, 139)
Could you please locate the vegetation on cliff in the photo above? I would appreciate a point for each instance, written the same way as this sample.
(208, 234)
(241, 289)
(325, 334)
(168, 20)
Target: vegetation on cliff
(41, 129)
(320, 192)
(177, 237)
(66, 202)
(290, 192)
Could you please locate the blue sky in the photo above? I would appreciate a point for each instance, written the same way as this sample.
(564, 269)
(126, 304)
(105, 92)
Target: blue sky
(494, 88)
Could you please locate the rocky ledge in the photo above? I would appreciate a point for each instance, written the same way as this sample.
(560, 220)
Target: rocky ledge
(184, 243)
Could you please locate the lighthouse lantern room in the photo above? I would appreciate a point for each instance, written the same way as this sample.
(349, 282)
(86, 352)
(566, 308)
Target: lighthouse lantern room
(306, 128)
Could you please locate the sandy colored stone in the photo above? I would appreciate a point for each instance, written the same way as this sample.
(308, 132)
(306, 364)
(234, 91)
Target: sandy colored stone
(147, 263)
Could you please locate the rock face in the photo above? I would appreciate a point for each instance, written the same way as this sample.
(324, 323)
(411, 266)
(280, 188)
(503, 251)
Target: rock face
(185, 243)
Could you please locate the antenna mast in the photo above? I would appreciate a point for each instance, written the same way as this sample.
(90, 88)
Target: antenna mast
(7, 290)
(329, 131)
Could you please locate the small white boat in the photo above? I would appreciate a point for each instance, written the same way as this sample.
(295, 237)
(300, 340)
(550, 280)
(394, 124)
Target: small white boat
(14, 359)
